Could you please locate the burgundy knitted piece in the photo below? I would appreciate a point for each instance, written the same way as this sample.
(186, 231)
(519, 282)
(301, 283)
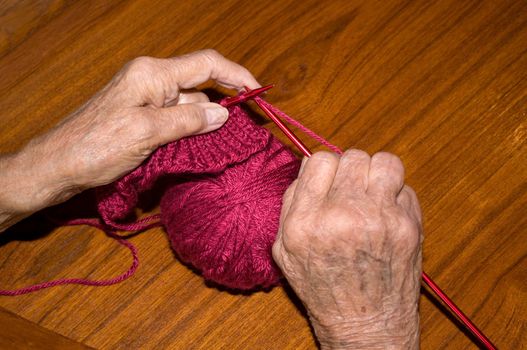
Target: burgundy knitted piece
(222, 215)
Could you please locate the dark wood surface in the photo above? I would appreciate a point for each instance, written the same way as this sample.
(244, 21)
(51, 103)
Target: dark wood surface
(443, 84)
(19, 333)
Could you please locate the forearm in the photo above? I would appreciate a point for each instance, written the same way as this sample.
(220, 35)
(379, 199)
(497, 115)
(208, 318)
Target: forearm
(30, 180)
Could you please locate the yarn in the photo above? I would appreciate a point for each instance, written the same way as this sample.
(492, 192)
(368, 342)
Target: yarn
(222, 216)
(225, 225)
(299, 125)
(87, 282)
(209, 153)
(222, 210)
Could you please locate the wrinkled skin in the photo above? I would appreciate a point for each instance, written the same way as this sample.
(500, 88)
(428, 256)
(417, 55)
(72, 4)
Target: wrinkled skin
(349, 240)
(350, 246)
(145, 105)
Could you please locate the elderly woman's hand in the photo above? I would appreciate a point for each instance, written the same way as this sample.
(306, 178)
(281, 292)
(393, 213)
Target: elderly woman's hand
(144, 106)
(350, 246)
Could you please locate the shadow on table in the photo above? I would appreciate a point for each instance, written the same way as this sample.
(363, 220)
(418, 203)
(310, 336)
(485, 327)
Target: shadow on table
(45, 221)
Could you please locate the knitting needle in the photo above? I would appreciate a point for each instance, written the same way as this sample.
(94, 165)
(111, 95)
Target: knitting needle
(428, 281)
(466, 321)
(249, 94)
(303, 148)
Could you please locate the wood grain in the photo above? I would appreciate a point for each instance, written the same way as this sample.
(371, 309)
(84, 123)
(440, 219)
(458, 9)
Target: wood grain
(18, 333)
(443, 84)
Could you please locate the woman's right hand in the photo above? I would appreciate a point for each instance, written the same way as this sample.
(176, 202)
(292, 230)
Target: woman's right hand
(349, 244)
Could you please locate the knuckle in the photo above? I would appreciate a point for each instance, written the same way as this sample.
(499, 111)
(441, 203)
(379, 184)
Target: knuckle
(388, 158)
(407, 232)
(143, 127)
(290, 226)
(293, 234)
(324, 157)
(342, 221)
(410, 192)
(356, 154)
(210, 57)
(141, 66)
(404, 198)
(211, 54)
(338, 214)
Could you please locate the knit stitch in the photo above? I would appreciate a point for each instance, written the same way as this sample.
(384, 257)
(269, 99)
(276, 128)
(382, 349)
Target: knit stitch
(221, 210)
(222, 213)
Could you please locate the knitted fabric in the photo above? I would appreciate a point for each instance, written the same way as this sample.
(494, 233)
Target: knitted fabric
(221, 209)
(222, 213)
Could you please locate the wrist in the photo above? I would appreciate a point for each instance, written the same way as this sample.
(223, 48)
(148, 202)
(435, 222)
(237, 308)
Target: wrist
(389, 330)
(29, 183)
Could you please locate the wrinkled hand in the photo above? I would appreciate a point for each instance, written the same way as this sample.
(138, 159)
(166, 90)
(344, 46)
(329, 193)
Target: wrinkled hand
(144, 106)
(350, 246)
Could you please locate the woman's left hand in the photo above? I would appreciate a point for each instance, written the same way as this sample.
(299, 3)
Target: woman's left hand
(144, 106)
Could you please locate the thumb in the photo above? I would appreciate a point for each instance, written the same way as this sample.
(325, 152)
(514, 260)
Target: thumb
(175, 122)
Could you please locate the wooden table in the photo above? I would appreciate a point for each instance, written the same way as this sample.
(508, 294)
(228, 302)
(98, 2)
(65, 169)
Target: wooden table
(443, 84)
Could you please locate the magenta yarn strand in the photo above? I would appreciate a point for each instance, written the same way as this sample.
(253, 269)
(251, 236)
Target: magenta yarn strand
(239, 259)
(143, 224)
(301, 127)
(87, 282)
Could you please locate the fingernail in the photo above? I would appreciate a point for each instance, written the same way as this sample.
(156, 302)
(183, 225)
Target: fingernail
(216, 115)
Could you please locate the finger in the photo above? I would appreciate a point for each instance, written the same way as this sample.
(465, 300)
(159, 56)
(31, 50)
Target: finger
(386, 177)
(316, 178)
(157, 81)
(404, 200)
(173, 123)
(189, 97)
(190, 70)
(351, 179)
(408, 200)
(287, 200)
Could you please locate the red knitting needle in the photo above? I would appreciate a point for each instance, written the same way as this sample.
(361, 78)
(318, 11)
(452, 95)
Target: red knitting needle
(249, 94)
(428, 281)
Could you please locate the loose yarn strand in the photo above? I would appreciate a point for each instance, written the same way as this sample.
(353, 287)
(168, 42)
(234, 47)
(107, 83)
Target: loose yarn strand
(300, 126)
(143, 224)
(87, 282)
